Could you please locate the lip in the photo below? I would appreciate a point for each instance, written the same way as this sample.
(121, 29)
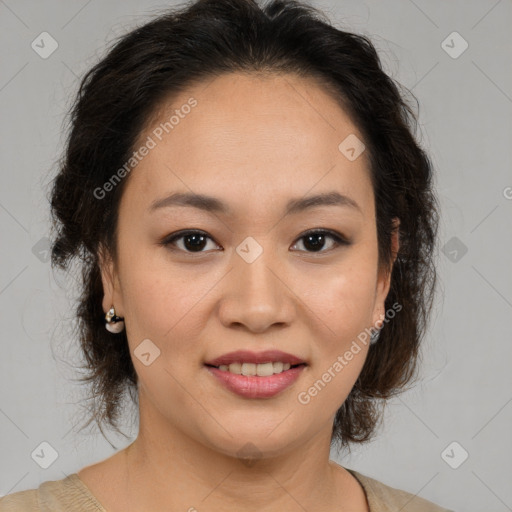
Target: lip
(254, 386)
(246, 356)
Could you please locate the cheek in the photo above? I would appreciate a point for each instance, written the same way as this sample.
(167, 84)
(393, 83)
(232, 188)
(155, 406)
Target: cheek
(353, 295)
(344, 310)
(163, 302)
(164, 305)
(341, 298)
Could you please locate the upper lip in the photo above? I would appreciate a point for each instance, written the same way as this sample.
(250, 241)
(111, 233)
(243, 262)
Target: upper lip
(246, 356)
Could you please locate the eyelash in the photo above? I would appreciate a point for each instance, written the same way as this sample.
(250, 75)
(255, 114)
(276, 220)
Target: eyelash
(339, 239)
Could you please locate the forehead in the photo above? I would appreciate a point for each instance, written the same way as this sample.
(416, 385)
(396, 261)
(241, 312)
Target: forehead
(250, 136)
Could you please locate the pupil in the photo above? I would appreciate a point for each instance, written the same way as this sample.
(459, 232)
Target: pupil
(197, 243)
(310, 239)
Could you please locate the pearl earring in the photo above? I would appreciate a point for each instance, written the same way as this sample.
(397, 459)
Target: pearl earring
(113, 323)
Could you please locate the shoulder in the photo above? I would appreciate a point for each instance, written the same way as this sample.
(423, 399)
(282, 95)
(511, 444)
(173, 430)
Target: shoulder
(20, 502)
(66, 495)
(383, 498)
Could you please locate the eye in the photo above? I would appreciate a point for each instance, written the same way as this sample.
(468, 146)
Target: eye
(315, 239)
(194, 241)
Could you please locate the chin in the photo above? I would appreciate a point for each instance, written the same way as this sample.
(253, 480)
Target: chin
(254, 440)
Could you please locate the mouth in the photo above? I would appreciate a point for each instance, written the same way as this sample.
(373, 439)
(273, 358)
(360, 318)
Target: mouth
(256, 370)
(256, 375)
(246, 358)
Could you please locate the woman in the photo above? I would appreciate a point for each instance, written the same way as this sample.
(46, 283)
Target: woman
(256, 224)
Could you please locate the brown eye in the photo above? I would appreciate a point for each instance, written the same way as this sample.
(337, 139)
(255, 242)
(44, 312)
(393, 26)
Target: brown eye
(314, 241)
(193, 241)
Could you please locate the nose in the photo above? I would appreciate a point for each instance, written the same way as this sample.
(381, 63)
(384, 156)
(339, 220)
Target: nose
(257, 296)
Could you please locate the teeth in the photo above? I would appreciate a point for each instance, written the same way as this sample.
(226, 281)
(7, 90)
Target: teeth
(265, 369)
(261, 370)
(278, 367)
(249, 368)
(235, 368)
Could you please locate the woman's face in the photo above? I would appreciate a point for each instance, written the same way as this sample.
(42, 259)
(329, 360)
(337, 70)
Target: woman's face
(259, 147)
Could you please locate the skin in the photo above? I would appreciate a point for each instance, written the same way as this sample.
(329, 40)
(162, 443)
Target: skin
(254, 142)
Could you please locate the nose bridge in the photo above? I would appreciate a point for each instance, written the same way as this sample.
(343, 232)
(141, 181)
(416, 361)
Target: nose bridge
(257, 282)
(257, 298)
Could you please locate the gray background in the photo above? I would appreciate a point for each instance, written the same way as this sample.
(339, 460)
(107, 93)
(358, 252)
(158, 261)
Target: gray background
(465, 391)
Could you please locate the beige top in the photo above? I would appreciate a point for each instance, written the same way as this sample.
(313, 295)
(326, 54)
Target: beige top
(71, 495)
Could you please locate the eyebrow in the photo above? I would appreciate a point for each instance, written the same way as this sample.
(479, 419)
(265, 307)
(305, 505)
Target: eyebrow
(212, 204)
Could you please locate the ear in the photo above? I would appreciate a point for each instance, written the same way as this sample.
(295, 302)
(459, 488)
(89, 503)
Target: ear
(110, 281)
(384, 279)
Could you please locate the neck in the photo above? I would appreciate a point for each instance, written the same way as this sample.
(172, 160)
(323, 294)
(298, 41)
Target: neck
(168, 470)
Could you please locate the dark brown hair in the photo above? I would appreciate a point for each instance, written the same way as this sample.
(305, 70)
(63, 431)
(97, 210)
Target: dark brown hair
(201, 40)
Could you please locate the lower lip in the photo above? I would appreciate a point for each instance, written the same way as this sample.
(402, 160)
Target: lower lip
(254, 386)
